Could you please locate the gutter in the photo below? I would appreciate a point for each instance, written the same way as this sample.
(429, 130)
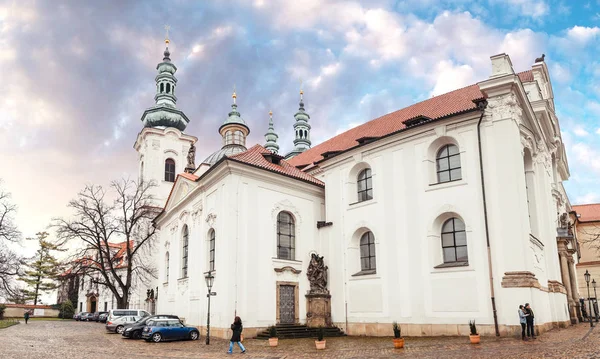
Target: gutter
(481, 106)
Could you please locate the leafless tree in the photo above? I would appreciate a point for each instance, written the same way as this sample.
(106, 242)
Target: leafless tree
(10, 262)
(102, 228)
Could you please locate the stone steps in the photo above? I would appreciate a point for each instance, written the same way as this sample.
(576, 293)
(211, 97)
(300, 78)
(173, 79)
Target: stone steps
(293, 331)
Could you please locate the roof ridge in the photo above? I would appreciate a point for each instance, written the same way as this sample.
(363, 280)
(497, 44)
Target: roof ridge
(586, 204)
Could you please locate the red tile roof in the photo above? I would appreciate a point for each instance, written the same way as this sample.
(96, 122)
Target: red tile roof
(588, 212)
(254, 156)
(451, 103)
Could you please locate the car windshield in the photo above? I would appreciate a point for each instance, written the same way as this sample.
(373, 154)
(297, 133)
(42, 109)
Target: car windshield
(142, 321)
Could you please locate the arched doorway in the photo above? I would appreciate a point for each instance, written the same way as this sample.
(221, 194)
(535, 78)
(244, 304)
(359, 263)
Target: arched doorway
(92, 304)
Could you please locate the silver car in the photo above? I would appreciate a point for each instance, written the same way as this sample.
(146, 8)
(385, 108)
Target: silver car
(117, 325)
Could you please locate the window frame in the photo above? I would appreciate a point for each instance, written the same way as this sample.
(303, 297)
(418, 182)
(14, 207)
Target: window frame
(291, 248)
(368, 175)
(170, 170)
(449, 169)
(456, 261)
(167, 259)
(371, 253)
(184, 251)
(211, 250)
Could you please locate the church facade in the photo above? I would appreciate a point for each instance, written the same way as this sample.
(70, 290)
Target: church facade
(433, 215)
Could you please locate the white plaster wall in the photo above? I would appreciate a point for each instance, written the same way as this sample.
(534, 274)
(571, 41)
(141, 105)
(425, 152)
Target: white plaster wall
(242, 209)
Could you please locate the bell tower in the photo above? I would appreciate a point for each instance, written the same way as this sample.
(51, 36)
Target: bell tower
(162, 145)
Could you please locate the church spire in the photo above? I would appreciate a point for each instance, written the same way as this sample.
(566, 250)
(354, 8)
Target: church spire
(271, 136)
(234, 130)
(165, 113)
(301, 128)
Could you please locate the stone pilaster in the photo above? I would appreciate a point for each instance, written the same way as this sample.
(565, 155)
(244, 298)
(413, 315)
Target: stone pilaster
(574, 291)
(566, 278)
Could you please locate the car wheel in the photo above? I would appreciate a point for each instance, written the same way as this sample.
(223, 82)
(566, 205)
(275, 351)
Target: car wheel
(120, 329)
(136, 335)
(194, 335)
(156, 337)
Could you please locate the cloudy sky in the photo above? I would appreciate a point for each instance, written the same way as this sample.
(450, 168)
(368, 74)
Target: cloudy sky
(77, 75)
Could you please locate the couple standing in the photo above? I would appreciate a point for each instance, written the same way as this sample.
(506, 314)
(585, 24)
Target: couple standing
(526, 318)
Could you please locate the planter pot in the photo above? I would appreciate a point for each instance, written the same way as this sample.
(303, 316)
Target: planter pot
(474, 338)
(398, 343)
(320, 344)
(273, 342)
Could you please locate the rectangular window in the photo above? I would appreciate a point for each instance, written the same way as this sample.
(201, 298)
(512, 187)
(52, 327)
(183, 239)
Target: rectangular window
(105, 306)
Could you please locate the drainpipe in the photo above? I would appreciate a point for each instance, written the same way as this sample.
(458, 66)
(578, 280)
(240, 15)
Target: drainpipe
(482, 105)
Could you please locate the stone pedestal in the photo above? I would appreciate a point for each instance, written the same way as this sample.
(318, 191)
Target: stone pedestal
(318, 311)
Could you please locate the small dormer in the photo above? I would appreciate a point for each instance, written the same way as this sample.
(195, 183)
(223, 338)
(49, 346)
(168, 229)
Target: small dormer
(416, 120)
(273, 157)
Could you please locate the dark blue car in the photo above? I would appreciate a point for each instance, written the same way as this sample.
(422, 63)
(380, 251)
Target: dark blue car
(168, 329)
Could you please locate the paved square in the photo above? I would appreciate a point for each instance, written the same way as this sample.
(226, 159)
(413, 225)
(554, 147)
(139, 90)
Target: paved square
(69, 339)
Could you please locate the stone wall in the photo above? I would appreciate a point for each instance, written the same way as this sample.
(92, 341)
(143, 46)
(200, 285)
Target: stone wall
(17, 311)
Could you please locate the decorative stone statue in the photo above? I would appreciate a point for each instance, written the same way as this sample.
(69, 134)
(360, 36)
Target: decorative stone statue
(147, 294)
(317, 274)
(191, 158)
(564, 221)
(152, 294)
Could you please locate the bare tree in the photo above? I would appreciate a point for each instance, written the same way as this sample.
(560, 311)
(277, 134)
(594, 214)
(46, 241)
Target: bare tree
(115, 238)
(10, 262)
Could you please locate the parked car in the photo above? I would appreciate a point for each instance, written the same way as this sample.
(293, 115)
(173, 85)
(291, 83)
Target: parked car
(76, 316)
(115, 313)
(97, 316)
(134, 330)
(80, 316)
(102, 318)
(117, 325)
(88, 317)
(157, 330)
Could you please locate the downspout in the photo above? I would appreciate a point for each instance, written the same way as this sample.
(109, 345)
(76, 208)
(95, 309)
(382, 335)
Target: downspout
(482, 105)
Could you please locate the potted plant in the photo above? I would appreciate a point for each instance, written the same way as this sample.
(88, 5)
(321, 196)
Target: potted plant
(474, 336)
(320, 342)
(398, 340)
(273, 340)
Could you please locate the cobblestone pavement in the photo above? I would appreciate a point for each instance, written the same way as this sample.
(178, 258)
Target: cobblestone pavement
(68, 339)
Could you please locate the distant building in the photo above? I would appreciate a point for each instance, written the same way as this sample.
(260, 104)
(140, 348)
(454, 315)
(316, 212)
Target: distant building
(588, 236)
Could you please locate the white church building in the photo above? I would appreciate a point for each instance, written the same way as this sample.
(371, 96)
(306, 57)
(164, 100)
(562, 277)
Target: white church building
(433, 215)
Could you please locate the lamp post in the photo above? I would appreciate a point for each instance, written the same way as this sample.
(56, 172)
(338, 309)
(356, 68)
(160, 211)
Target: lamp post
(587, 281)
(595, 299)
(209, 283)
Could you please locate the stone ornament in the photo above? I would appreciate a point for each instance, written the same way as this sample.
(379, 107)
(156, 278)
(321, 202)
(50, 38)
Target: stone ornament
(317, 275)
(191, 158)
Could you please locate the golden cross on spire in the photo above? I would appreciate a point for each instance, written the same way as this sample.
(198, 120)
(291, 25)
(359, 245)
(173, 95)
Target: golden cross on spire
(301, 91)
(167, 28)
(234, 96)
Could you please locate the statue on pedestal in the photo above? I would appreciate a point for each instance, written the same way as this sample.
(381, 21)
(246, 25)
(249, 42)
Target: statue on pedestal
(317, 275)
(191, 158)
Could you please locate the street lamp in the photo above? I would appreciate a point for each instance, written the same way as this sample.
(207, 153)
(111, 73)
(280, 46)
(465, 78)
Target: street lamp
(595, 299)
(587, 281)
(209, 283)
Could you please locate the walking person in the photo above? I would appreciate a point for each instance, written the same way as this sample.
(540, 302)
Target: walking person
(529, 318)
(522, 320)
(236, 336)
(26, 315)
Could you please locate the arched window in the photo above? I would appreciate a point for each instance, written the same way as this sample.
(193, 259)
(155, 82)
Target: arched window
(162, 87)
(167, 267)
(367, 252)
(454, 241)
(228, 138)
(364, 185)
(448, 164)
(286, 236)
(170, 170)
(184, 252)
(211, 250)
(168, 88)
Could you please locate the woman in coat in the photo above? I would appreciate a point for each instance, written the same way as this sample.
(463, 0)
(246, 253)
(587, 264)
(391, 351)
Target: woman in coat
(236, 336)
(522, 320)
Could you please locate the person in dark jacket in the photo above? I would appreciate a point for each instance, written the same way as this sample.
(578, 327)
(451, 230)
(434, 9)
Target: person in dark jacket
(529, 318)
(522, 320)
(236, 336)
(26, 316)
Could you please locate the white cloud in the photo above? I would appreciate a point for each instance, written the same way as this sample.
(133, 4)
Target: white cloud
(580, 131)
(590, 197)
(582, 34)
(559, 73)
(598, 131)
(586, 156)
(449, 77)
(533, 8)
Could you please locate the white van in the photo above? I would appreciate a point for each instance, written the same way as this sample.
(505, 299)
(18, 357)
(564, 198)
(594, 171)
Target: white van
(115, 313)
